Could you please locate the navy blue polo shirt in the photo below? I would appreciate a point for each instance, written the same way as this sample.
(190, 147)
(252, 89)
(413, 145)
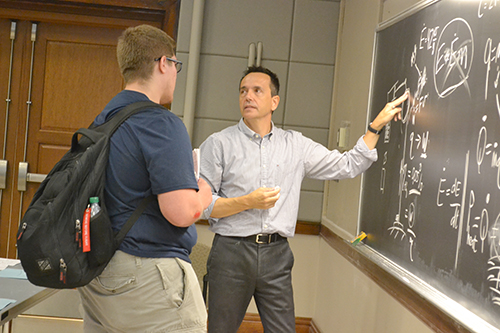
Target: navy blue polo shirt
(149, 153)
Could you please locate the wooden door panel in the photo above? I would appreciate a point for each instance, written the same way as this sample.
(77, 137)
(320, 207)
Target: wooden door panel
(5, 47)
(79, 80)
(76, 75)
(15, 108)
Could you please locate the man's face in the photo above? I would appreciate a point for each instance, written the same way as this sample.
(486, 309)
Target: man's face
(255, 97)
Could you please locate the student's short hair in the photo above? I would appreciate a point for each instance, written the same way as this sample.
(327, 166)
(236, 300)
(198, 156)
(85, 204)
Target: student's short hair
(275, 83)
(137, 49)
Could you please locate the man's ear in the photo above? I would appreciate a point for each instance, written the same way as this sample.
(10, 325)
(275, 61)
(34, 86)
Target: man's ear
(275, 102)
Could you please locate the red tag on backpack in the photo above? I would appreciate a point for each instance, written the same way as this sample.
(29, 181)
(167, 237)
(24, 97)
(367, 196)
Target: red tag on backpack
(86, 230)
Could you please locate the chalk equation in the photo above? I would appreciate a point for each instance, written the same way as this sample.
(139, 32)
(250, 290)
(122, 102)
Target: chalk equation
(471, 215)
(453, 58)
(469, 212)
(492, 59)
(415, 145)
(486, 6)
(431, 203)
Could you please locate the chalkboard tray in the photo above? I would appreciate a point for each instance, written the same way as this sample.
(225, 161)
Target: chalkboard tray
(431, 203)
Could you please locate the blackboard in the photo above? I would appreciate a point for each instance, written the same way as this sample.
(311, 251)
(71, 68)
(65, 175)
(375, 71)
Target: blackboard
(431, 203)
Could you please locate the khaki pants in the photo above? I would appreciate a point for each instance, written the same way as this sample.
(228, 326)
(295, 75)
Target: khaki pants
(136, 294)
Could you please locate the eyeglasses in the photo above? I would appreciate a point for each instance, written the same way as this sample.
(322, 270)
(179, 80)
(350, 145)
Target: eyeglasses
(177, 63)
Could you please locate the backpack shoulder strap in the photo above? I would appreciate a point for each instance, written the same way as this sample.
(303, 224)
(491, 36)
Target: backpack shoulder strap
(111, 125)
(132, 219)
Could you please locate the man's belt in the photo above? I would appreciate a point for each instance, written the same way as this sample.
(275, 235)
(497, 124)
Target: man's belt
(263, 238)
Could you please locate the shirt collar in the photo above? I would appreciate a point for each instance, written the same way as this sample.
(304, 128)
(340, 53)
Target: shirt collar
(242, 127)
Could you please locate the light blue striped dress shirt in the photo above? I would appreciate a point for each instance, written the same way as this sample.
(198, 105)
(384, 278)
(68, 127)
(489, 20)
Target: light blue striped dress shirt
(237, 161)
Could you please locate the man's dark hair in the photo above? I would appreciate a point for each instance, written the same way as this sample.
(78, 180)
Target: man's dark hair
(275, 82)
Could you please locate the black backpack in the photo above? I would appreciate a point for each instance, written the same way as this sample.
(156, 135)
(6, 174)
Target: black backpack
(49, 239)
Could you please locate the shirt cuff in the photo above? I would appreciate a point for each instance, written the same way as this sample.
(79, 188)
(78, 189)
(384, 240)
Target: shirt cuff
(207, 212)
(371, 154)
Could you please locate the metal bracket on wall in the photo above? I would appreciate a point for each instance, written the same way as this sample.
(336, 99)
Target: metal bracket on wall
(255, 57)
(251, 54)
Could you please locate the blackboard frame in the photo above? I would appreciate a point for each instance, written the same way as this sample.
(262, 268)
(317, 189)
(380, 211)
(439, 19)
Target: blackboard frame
(448, 303)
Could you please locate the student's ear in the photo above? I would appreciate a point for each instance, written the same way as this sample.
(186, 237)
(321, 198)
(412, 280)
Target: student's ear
(163, 63)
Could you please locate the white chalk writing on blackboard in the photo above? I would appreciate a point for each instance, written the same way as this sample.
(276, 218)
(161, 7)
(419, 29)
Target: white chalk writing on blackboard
(492, 55)
(454, 56)
(411, 179)
(486, 5)
(428, 38)
(437, 210)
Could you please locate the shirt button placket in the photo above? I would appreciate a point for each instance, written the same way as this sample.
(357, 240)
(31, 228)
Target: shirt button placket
(265, 165)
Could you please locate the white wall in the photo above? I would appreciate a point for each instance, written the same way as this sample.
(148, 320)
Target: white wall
(348, 301)
(299, 43)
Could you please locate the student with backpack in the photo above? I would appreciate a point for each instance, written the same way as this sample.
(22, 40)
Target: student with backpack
(150, 276)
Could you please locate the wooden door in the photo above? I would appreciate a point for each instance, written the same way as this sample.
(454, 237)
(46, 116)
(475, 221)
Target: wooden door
(63, 72)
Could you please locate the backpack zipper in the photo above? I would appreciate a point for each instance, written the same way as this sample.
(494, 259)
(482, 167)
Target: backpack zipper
(23, 228)
(62, 270)
(78, 233)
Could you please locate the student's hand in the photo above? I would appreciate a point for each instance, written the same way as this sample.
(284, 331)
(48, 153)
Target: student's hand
(264, 197)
